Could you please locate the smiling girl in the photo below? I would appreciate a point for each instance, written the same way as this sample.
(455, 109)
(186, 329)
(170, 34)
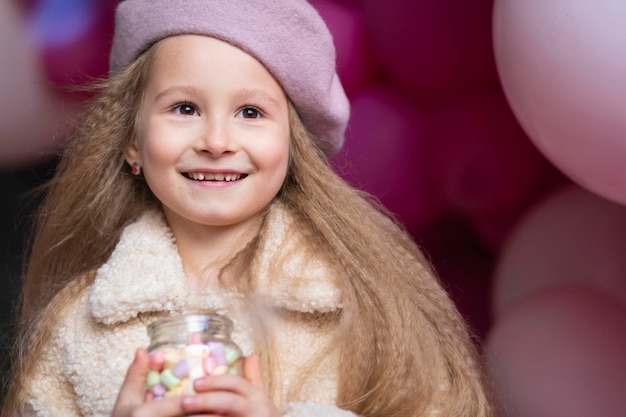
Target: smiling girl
(198, 182)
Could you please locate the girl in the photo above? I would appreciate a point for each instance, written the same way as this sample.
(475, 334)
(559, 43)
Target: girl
(198, 183)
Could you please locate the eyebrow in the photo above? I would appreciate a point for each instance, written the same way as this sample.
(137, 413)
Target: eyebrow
(185, 89)
(256, 94)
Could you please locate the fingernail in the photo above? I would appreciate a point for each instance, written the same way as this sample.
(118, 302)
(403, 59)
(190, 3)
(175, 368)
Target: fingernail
(199, 383)
(189, 400)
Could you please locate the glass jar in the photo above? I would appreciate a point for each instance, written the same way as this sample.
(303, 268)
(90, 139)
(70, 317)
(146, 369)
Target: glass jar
(184, 348)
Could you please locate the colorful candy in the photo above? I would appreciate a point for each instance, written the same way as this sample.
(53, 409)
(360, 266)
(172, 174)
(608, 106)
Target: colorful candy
(173, 369)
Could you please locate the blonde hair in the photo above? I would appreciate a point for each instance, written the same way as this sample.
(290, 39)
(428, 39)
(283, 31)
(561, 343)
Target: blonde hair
(414, 355)
(87, 204)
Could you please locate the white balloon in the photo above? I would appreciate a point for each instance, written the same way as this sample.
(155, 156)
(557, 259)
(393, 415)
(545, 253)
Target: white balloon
(563, 67)
(573, 237)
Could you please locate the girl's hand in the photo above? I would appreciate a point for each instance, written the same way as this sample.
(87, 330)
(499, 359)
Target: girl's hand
(231, 395)
(131, 402)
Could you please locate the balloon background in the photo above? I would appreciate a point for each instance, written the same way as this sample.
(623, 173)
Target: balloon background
(493, 129)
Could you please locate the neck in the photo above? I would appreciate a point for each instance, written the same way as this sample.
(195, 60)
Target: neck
(204, 250)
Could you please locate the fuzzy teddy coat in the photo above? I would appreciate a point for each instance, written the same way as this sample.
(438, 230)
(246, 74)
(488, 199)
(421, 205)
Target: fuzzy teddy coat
(84, 364)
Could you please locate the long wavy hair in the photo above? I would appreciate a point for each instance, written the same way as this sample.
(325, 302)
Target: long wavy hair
(414, 356)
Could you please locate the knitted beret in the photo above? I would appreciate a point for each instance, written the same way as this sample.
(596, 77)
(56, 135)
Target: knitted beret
(287, 36)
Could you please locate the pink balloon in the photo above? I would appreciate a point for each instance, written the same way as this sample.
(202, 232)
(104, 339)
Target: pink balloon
(571, 237)
(383, 155)
(432, 46)
(479, 157)
(354, 64)
(493, 229)
(562, 65)
(32, 117)
(560, 353)
(24, 5)
(466, 274)
(75, 44)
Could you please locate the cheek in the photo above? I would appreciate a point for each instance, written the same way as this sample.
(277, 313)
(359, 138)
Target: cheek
(156, 148)
(276, 157)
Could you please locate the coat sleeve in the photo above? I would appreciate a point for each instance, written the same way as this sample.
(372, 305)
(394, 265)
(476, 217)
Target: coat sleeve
(310, 409)
(50, 393)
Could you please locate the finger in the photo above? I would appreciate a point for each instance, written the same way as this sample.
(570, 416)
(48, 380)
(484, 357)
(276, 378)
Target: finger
(164, 407)
(130, 400)
(227, 403)
(218, 403)
(252, 371)
(231, 383)
(132, 391)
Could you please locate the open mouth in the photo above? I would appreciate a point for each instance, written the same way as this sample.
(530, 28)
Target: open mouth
(205, 176)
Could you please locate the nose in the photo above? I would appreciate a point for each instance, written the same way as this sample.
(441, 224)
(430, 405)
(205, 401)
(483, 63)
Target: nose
(216, 139)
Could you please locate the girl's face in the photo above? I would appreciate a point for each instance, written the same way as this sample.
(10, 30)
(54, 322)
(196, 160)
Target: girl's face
(213, 133)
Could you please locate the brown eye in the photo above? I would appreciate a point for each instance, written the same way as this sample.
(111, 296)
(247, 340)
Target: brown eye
(250, 113)
(185, 109)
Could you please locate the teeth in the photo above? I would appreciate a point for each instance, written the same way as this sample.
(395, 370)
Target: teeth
(214, 177)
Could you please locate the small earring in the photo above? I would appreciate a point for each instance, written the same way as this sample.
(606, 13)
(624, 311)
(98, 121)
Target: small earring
(135, 168)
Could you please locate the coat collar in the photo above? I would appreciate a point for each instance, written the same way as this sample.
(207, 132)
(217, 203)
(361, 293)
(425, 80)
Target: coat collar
(145, 274)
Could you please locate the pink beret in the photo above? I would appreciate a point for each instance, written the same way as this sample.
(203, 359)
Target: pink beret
(288, 36)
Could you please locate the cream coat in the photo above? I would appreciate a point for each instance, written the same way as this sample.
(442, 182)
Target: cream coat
(81, 371)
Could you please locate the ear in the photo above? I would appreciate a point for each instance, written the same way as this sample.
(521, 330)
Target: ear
(132, 154)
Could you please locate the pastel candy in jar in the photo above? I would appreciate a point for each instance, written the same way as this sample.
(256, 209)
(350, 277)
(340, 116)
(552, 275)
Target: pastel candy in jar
(185, 348)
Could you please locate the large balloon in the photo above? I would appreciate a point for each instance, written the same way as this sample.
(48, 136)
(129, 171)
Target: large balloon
(560, 353)
(572, 237)
(74, 37)
(354, 64)
(478, 154)
(479, 157)
(383, 155)
(32, 116)
(432, 46)
(562, 65)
